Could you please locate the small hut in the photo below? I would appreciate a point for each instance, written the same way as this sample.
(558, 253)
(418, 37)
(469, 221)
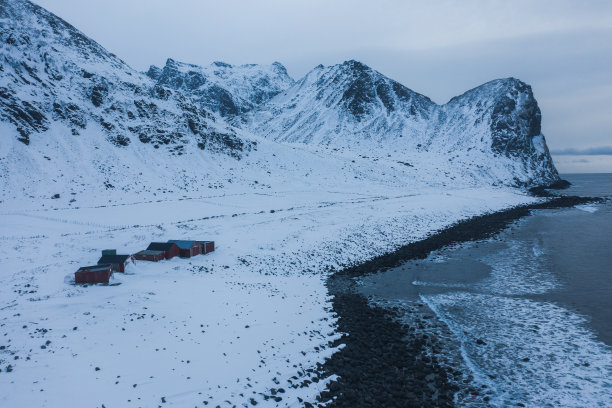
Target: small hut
(170, 249)
(150, 255)
(93, 274)
(119, 262)
(206, 246)
(187, 249)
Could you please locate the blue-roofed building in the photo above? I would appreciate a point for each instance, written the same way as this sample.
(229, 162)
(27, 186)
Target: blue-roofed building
(187, 249)
(170, 249)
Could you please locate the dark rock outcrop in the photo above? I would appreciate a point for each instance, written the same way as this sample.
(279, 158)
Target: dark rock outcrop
(52, 73)
(223, 88)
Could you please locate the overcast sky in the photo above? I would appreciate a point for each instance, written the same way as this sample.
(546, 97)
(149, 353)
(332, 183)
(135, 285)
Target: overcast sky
(440, 48)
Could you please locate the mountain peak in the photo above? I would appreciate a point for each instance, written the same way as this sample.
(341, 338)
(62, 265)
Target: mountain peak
(341, 103)
(154, 72)
(510, 81)
(222, 64)
(355, 65)
(280, 68)
(226, 89)
(496, 88)
(350, 104)
(55, 77)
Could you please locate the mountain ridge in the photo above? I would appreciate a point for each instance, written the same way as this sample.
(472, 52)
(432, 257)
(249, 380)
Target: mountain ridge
(52, 73)
(223, 88)
(55, 77)
(500, 118)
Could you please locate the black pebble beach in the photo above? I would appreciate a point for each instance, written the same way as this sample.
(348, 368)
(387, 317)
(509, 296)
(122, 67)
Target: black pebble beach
(384, 362)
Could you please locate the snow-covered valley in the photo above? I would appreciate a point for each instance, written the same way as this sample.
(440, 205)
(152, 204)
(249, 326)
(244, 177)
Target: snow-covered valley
(225, 328)
(292, 180)
(230, 327)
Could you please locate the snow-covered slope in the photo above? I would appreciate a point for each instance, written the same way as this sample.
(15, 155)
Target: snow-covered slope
(54, 77)
(81, 128)
(498, 126)
(343, 105)
(494, 129)
(223, 88)
(69, 99)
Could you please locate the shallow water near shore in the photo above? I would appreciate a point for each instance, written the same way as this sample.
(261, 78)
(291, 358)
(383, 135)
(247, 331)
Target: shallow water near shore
(529, 310)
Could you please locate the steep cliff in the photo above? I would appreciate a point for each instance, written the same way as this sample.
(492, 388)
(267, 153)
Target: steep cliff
(495, 127)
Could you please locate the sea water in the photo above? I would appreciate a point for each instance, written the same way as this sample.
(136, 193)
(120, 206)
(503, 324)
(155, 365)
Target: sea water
(529, 311)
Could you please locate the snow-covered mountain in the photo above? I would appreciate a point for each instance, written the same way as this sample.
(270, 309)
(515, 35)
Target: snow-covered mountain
(223, 88)
(68, 107)
(343, 105)
(292, 180)
(52, 74)
(496, 125)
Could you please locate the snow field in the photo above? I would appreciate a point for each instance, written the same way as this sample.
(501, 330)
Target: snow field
(178, 329)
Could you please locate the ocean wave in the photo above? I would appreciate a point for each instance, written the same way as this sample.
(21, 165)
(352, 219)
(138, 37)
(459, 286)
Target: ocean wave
(528, 352)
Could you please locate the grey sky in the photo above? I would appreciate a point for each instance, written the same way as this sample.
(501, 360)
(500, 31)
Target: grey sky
(438, 48)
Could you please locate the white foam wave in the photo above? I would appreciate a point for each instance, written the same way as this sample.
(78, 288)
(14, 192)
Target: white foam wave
(439, 284)
(537, 251)
(528, 352)
(520, 269)
(590, 208)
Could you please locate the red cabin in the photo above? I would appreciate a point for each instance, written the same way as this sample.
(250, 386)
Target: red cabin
(207, 246)
(149, 255)
(118, 262)
(93, 274)
(170, 249)
(187, 249)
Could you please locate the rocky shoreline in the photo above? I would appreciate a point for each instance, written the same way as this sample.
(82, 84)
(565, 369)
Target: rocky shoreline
(386, 362)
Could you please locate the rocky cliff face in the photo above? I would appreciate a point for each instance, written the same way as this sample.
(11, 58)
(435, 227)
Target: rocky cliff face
(53, 74)
(223, 88)
(502, 121)
(349, 105)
